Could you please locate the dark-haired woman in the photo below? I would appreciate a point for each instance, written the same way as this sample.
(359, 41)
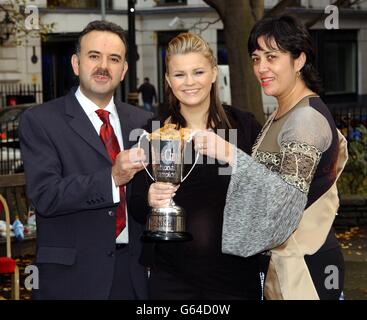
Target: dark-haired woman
(283, 200)
(198, 269)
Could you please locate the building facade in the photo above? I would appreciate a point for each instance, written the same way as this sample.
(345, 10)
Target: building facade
(342, 52)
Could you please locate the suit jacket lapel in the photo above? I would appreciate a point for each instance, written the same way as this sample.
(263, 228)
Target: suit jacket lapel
(81, 124)
(126, 128)
(125, 123)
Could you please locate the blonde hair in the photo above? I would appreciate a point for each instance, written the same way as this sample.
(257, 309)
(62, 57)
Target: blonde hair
(184, 43)
(188, 43)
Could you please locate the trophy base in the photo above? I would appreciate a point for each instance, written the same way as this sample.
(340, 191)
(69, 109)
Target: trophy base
(166, 236)
(166, 224)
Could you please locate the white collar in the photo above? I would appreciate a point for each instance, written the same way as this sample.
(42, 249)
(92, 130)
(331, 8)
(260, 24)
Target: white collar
(90, 107)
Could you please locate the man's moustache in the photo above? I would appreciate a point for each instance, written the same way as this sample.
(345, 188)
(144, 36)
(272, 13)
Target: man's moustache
(103, 73)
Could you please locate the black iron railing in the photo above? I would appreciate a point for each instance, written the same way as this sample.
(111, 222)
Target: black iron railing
(10, 157)
(12, 94)
(347, 119)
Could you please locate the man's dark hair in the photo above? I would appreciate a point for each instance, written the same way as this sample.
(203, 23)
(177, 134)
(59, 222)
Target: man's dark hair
(290, 35)
(146, 79)
(99, 25)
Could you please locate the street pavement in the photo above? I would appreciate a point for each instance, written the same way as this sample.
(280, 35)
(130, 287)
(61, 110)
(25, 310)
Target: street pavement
(353, 241)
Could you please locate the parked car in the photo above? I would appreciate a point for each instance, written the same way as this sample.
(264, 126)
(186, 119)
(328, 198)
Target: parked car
(10, 157)
(9, 122)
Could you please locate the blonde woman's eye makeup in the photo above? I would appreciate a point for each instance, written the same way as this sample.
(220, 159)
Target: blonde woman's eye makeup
(177, 75)
(198, 72)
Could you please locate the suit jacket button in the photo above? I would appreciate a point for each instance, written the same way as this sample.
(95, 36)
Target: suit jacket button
(111, 254)
(111, 213)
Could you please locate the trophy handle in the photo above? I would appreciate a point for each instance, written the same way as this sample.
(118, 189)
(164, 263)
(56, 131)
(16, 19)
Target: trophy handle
(196, 158)
(145, 133)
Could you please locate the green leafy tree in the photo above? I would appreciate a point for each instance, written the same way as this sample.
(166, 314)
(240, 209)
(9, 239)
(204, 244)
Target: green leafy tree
(14, 13)
(354, 177)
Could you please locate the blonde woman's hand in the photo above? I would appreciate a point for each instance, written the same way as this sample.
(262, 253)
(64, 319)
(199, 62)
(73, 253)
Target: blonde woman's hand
(160, 194)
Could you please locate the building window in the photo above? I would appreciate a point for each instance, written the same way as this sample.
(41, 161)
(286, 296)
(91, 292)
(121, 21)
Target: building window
(171, 2)
(78, 4)
(222, 52)
(337, 63)
(343, 79)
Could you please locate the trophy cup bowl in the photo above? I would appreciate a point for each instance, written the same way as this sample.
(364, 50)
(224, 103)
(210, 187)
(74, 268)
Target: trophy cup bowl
(167, 223)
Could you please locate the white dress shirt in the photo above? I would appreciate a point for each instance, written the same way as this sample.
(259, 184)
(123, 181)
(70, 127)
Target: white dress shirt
(90, 109)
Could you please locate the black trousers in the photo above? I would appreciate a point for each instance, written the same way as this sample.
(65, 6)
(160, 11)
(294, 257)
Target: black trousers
(122, 286)
(327, 273)
(164, 285)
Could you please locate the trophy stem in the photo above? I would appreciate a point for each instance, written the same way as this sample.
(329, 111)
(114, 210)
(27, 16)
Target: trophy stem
(167, 223)
(171, 203)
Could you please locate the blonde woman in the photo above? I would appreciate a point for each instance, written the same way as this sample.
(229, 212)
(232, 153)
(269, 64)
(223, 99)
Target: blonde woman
(198, 269)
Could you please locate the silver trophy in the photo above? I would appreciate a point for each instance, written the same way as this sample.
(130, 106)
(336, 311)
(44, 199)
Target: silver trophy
(167, 223)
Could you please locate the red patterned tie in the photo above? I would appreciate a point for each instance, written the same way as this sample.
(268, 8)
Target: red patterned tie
(110, 141)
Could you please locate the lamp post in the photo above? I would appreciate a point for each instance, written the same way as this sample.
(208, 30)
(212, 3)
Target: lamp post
(133, 97)
(6, 28)
(103, 10)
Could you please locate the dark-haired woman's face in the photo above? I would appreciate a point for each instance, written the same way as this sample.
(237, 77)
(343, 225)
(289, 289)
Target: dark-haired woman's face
(276, 70)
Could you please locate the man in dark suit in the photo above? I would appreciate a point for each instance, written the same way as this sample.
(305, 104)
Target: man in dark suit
(80, 182)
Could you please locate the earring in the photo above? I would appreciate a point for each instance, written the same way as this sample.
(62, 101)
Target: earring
(298, 73)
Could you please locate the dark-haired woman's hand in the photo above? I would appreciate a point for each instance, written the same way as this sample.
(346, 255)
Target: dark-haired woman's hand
(212, 145)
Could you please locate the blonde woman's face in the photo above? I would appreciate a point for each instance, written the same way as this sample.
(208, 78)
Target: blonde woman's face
(191, 77)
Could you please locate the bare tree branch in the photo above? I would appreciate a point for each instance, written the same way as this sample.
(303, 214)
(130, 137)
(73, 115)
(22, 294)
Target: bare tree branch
(281, 6)
(284, 4)
(206, 24)
(219, 6)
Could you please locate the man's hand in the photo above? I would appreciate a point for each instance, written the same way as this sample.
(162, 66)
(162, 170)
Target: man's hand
(127, 163)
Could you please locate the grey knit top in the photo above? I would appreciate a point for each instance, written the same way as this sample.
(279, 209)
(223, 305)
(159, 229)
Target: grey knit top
(268, 193)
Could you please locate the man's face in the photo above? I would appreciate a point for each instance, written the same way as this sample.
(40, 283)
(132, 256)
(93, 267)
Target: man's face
(101, 65)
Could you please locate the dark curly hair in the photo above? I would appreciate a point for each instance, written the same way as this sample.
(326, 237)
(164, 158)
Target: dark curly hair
(291, 36)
